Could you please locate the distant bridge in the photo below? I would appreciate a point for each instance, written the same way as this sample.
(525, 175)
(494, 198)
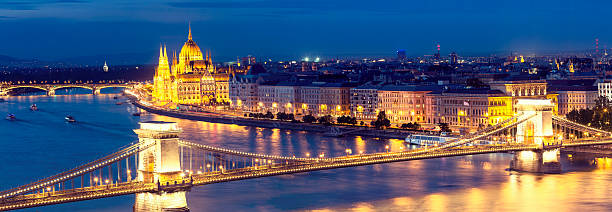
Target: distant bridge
(51, 88)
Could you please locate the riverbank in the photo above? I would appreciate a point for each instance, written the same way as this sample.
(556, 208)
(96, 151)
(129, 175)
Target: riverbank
(332, 130)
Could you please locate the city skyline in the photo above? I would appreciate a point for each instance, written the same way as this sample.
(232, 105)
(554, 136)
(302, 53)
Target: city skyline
(295, 30)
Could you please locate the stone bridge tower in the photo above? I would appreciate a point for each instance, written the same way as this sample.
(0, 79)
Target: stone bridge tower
(536, 130)
(159, 162)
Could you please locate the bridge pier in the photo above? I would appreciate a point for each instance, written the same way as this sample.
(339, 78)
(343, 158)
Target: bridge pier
(96, 91)
(51, 92)
(544, 161)
(160, 163)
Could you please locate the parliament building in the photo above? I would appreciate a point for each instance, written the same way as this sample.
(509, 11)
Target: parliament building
(190, 79)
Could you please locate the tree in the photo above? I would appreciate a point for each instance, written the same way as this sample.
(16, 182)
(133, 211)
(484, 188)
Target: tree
(406, 126)
(411, 126)
(381, 121)
(309, 119)
(444, 127)
(326, 120)
(347, 120)
(269, 115)
(284, 116)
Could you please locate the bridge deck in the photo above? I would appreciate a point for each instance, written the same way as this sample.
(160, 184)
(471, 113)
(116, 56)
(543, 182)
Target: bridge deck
(88, 193)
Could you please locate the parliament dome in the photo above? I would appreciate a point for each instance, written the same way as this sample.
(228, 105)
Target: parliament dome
(190, 51)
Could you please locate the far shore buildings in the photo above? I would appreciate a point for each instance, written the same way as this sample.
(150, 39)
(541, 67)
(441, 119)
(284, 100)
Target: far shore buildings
(189, 79)
(428, 105)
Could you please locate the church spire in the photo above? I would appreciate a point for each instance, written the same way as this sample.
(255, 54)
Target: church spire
(161, 53)
(174, 60)
(189, 36)
(165, 53)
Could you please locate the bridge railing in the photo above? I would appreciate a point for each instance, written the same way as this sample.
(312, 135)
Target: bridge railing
(247, 154)
(568, 123)
(75, 172)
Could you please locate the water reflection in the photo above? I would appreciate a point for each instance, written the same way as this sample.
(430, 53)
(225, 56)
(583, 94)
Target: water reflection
(42, 144)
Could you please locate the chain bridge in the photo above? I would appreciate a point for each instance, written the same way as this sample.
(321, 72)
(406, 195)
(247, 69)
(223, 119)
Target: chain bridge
(51, 88)
(160, 167)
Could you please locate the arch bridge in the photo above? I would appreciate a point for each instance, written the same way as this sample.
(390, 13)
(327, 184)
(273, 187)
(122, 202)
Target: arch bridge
(51, 88)
(160, 167)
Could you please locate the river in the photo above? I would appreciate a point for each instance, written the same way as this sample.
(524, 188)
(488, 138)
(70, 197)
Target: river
(40, 144)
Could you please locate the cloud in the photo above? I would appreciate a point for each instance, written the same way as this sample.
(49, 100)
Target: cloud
(34, 5)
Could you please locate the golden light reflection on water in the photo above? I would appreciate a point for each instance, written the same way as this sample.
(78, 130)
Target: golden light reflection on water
(576, 191)
(436, 202)
(603, 163)
(396, 145)
(572, 191)
(359, 145)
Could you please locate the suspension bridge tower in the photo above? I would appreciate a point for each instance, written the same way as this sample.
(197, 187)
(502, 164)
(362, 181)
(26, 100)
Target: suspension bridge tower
(160, 163)
(537, 129)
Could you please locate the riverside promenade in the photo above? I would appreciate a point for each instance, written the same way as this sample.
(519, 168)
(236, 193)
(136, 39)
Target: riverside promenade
(332, 130)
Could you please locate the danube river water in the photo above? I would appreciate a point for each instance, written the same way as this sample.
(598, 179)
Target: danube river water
(40, 144)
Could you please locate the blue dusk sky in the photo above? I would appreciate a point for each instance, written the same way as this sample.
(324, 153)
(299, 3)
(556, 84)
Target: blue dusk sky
(291, 29)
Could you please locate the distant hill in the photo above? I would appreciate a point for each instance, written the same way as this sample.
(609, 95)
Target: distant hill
(112, 60)
(94, 60)
(17, 62)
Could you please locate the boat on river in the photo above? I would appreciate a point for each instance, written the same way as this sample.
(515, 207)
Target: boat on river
(11, 117)
(69, 118)
(33, 107)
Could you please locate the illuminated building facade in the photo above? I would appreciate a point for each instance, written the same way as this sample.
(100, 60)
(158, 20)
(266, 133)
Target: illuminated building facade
(320, 99)
(364, 102)
(277, 98)
(402, 104)
(190, 79)
(525, 89)
(475, 108)
(576, 100)
(243, 93)
(604, 88)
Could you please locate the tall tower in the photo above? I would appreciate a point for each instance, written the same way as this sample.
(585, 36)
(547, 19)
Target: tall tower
(105, 67)
(437, 55)
(160, 163)
(161, 82)
(597, 46)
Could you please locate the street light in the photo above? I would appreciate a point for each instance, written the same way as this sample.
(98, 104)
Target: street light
(387, 148)
(348, 152)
